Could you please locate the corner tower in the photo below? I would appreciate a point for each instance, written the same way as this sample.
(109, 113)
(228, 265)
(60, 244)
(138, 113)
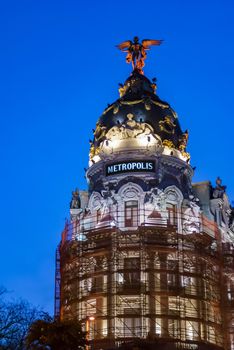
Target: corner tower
(147, 258)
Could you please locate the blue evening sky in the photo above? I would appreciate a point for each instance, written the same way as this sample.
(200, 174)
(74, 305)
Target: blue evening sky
(59, 69)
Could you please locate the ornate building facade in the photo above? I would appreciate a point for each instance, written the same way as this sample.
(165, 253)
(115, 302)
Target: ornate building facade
(146, 260)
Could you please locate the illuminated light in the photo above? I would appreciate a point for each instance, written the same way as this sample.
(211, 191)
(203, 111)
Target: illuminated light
(91, 318)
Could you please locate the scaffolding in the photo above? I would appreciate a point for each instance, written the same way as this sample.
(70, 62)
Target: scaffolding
(148, 280)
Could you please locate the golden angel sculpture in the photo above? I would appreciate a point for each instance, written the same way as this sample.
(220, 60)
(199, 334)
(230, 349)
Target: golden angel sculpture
(136, 51)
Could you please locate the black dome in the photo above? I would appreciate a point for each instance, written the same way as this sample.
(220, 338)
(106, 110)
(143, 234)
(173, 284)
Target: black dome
(138, 98)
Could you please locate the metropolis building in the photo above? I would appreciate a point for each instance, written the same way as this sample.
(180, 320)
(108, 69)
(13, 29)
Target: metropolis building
(146, 260)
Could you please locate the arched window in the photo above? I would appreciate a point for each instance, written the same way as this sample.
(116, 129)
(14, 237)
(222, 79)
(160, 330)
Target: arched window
(174, 201)
(130, 204)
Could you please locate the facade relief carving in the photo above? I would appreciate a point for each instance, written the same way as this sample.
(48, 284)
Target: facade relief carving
(174, 195)
(130, 129)
(156, 206)
(192, 218)
(95, 201)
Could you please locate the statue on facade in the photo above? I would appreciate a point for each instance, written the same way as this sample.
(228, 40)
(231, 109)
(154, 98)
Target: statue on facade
(75, 202)
(136, 51)
(219, 190)
(191, 218)
(183, 141)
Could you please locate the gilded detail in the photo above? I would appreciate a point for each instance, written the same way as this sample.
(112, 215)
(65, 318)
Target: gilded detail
(100, 132)
(168, 143)
(183, 141)
(94, 151)
(167, 125)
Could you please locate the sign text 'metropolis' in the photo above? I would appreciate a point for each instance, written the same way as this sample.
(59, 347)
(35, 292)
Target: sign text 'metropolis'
(130, 166)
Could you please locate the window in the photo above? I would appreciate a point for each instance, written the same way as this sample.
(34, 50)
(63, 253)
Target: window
(132, 272)
(171, 214)
(99, 215)
(132, 322)
(174, 327)
(131, 213)
(172, 276)
(97, 284)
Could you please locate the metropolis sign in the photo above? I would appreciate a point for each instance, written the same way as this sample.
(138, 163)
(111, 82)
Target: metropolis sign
(130, 166)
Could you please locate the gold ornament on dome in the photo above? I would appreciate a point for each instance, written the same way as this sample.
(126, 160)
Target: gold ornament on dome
(136, 51)
(183, 141)
(94, 151)
(100, 132)
(91, 151)
(168, 143)
(130, 103)
(115, 106)
(174, 114)
(163, 106)
(130, 116)
(122, 90)
(186, 155)
(148, 104)
(108, 109)
(167, 125)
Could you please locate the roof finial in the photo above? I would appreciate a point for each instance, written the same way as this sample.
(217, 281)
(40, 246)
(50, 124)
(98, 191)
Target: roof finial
(136, 51)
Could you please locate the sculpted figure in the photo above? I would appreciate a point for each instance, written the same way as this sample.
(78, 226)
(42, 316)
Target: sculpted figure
(108, 205)
(136, 51)
(75, 202)
(183, 141)
(114, 133)
(226, 210)
(131, 129)
(191, 220)
(155, 202)
(219, 189)
(100, 131)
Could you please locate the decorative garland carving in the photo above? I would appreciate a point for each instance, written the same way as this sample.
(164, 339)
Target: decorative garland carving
(148, 100)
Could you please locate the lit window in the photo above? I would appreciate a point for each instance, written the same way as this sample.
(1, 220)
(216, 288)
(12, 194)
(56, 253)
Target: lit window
(132, 323)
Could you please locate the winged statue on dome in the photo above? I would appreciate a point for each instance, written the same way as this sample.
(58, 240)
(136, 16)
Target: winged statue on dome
(136, 51)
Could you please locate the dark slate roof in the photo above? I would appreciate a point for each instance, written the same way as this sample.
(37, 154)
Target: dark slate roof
(139, 99)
